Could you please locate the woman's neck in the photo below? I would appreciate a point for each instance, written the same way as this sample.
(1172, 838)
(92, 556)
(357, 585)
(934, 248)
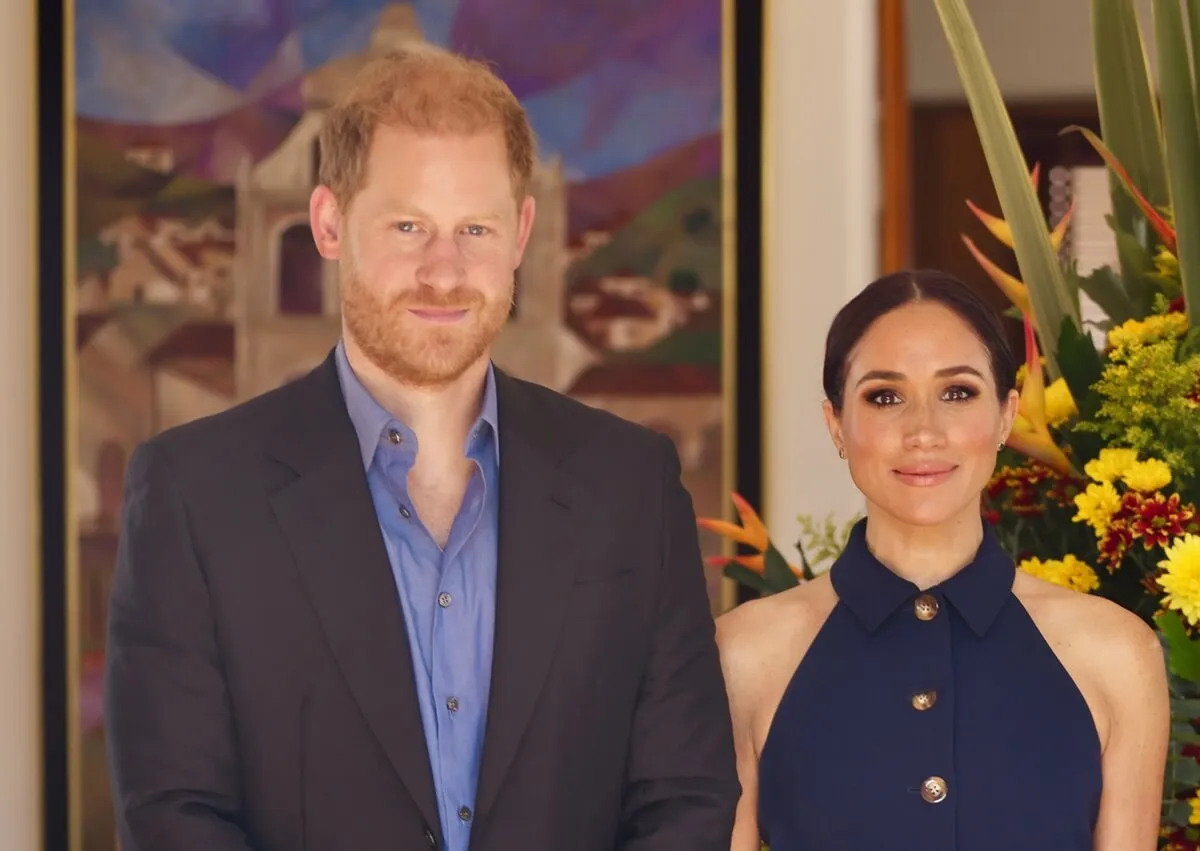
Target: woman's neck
(924, 555)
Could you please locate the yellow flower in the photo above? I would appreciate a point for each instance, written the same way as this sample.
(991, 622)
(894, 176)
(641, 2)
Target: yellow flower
(1135, 332)
(1030, 433)
(1069, 572)
(1060, 405)
(1166, 265)
(1111, 465)
(1023, 370)
(1147, 476)
(1194, 818)
(1181, 579)
(1097, 505)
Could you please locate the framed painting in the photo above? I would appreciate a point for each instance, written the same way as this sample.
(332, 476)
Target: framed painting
(179, 276)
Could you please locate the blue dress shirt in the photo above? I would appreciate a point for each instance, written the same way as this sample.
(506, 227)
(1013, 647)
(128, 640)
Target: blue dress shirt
(447, 596)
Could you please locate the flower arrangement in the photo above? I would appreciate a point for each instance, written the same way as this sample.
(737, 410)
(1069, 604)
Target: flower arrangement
(1099, 487)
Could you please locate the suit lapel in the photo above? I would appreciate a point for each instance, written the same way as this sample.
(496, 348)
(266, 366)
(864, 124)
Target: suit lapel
(328, 518)
(534, 574)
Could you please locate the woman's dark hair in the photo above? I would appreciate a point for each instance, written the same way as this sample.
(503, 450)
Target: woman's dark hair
(885, 294)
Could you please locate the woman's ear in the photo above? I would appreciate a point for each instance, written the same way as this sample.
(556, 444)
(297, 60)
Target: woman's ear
(1008, 414)
(834, 423)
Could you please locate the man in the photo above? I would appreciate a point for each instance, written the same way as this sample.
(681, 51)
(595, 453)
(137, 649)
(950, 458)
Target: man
(409, 601)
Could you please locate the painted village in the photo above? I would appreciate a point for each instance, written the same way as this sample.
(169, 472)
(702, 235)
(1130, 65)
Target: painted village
(193, 313)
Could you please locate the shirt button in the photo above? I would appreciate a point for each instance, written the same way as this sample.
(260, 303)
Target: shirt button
(934, 790)
(464, 813)
(452, 704)
(393, 435)
(923, 700)
(404, 512)
(444, 599)
(926, 607)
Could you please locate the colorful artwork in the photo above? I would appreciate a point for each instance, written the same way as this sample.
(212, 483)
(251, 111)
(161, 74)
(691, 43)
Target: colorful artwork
(197, 284)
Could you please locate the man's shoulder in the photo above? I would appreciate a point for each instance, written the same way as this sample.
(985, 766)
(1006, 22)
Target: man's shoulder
(596, 428)
(231, 433)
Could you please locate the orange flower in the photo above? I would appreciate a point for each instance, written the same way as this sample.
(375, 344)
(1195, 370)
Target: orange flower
(1016, 290)
(1031, 434)
(752, 533)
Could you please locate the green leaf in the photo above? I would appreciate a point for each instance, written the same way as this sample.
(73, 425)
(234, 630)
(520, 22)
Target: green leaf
(1186, 772)
(1178, 812)
(1082, 367)
(746, 576)
(1193, 15)
(1039, 264)
(1137, 265)
(1182, 136)
(1126, 99)
(776, 571)
(1189, 345)
(1105, 288)
(1183, 652)
(1185, 708)
(805, 567)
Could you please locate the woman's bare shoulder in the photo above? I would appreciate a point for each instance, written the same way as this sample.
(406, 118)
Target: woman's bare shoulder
(1101, 625)
(780, 617)
(763, 640)
(1112, 654)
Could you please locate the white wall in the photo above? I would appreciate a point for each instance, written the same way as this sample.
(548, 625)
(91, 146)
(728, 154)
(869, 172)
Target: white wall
(821, 177)
(1037, 48)
(20, 731)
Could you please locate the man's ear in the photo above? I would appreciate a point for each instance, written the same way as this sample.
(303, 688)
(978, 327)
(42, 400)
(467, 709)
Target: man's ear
(325, 219)
(525, 216)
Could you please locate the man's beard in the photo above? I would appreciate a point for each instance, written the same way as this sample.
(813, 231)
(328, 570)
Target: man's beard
(415, 352)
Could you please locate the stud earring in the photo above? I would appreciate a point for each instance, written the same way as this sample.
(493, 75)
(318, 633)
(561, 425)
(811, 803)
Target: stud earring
(1000, 448)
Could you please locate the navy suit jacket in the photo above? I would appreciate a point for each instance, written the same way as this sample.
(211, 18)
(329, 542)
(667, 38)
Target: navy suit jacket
(259, 685)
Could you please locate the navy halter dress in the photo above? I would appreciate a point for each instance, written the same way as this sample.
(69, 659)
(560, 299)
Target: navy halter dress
(937, 720)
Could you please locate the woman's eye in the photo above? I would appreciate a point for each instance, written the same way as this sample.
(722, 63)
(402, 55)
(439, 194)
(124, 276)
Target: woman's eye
(961, 393)
(883, 398)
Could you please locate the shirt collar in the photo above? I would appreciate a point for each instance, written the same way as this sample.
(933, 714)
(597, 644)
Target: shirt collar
(873, 592)
(370, 418)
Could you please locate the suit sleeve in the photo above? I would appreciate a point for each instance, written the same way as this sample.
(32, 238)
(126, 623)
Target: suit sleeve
(683, 788)
(167, 713)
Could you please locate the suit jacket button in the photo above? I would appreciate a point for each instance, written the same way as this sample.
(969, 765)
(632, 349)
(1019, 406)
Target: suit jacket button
(430, 839)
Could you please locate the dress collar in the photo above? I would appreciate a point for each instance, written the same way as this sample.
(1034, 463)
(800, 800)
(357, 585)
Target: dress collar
(873, 592)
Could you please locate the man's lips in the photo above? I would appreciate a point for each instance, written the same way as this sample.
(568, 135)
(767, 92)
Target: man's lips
(439, 314)
(925, 475)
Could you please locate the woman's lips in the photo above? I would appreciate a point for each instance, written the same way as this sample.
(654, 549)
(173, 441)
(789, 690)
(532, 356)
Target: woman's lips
(925, 475)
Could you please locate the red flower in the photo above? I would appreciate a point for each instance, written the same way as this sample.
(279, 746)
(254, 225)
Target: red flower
(1023, 490)
(1118, 538)
(1157, 519)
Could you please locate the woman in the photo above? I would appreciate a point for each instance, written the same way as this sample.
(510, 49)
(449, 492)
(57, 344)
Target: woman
(923, 693)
